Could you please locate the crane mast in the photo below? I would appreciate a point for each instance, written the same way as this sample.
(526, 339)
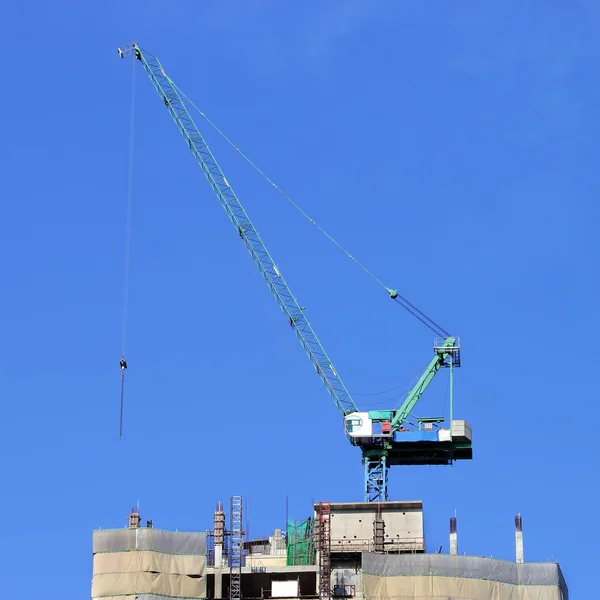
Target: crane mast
(388, 445)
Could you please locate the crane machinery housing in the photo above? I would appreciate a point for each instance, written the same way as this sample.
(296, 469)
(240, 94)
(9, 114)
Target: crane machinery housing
(382, 435)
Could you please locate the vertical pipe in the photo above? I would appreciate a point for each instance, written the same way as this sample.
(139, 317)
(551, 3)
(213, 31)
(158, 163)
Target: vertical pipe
(519, 539)
(451, 395)
(219, 534)
(247, 532)
(453, 537)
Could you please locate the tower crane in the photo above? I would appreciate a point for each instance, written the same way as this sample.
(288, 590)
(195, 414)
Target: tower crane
(381, 435)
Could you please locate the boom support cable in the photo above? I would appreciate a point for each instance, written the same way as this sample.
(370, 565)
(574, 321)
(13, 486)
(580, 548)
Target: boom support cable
(394, 295)
(415, 312)
(266, 177)
(123, 362)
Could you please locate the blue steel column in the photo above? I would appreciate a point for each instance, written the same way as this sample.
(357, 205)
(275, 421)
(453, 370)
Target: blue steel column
(236, 545)
(376, 484)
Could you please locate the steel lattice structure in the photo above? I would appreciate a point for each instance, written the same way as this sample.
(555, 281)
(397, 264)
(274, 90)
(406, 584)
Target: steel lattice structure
(382, 449)
(324, 548)
(246, 230)
(236, 548)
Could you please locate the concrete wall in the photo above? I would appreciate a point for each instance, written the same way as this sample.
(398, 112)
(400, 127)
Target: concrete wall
(346, 578)
(351, 526)
(265, 560)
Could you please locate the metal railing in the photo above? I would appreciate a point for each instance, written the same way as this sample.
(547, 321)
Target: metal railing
(390, 545)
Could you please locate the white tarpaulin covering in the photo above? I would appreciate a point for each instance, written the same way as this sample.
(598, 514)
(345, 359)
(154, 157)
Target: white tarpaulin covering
(140, 538)
(147, 561)
(445, 577)
(148, 564)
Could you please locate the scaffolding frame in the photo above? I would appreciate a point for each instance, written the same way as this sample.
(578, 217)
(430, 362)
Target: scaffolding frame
(236, 546)
(324, 546)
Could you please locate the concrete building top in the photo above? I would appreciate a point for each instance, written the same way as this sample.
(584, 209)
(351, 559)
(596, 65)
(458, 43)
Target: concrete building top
(390, 505)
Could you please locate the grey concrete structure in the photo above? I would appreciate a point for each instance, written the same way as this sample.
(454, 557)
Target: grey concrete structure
(453, 537)
(353, 525)
(520, 557)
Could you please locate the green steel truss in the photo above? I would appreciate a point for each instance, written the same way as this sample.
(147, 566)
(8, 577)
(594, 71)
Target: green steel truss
(244, 227)
(444, 352)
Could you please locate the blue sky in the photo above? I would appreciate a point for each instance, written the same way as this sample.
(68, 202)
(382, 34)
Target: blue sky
(452, 149)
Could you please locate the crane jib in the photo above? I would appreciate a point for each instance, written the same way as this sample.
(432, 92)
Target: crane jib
(245, 229)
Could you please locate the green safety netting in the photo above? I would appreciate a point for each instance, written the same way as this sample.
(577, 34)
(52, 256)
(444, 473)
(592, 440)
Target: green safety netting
(300, 542)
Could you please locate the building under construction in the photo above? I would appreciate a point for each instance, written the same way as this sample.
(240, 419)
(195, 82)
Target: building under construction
(372, 551)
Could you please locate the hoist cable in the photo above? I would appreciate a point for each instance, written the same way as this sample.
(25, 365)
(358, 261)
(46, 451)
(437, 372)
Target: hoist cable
(407, 382)
(123, 363)
(122, 392)
(128, 219)
(411, 308)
